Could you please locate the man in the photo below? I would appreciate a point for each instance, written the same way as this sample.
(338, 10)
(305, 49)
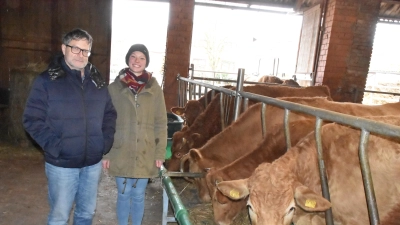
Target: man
(69, 113)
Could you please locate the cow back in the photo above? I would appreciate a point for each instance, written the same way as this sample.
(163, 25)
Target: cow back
(210, 122)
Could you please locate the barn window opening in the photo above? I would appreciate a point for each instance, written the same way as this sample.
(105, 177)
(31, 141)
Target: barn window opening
(231, 37)
(384, 69)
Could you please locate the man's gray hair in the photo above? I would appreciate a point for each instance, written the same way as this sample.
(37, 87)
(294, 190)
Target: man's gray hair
(77, 34)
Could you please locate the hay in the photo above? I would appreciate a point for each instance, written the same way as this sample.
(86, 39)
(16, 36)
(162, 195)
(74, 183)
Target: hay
(201, 213)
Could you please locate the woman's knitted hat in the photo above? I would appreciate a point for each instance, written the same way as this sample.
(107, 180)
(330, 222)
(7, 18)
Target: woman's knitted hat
(138, 47)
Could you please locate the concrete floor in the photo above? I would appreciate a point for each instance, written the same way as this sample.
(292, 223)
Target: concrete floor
(23, 191)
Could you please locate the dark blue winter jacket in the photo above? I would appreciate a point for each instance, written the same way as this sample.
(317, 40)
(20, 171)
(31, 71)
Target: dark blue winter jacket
(72, 120)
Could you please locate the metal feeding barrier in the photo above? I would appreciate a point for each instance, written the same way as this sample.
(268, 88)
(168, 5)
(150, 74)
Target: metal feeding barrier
(365, 125)
(171, 195)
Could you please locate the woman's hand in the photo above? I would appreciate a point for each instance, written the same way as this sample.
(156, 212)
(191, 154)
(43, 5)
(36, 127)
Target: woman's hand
(159, 163)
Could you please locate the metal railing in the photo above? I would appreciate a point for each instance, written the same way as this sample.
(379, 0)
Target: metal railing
(365, 125)
(297, 77)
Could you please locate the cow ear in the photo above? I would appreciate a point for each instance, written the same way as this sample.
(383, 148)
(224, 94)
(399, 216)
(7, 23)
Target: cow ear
(196, 136)
(309, 201)
(184, 128)
(234, 189)
(221, 198)
(195, 154)
(180, 111)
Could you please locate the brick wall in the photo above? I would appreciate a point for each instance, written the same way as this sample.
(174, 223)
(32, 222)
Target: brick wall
(179, 41)
(346, 47)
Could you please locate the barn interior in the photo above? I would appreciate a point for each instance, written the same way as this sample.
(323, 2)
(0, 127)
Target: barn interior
(335, 47)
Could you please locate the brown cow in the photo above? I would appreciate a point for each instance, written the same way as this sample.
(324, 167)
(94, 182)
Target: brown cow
(291, 82)
(289, 190)
(190, 112)
(208, 123)
(194, 108)
(236, 143)
(272, 147)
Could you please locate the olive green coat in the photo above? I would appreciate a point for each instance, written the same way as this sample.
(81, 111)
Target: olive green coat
(141, 130)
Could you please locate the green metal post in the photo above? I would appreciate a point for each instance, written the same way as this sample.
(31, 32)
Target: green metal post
(180, 212)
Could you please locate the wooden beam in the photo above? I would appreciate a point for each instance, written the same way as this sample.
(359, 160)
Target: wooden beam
(273, 3)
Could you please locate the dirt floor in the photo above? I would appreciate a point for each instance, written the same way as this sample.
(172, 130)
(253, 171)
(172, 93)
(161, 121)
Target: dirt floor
(23, 193)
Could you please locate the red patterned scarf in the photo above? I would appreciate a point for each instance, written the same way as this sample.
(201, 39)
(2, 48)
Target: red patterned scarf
(135, 83)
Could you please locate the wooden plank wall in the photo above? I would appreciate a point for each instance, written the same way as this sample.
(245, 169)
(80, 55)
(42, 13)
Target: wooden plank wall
(31, 31)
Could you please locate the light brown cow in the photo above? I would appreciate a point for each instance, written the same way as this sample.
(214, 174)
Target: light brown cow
(271, 148)
(270, 79)
(289, 190)
(237, 139)
(208, 123)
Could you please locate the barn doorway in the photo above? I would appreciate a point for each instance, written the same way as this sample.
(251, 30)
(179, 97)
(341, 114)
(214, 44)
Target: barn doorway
(143, 22)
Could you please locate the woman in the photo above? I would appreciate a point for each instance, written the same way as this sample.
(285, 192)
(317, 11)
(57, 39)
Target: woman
(141, 134)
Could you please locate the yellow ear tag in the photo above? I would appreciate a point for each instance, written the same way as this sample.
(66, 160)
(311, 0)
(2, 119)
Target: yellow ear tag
(234, 193)
(310, 203)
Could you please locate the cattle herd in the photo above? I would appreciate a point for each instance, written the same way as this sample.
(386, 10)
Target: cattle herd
(250, 167)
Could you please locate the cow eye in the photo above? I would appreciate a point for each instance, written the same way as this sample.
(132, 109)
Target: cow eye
(290, 212)
(289, 215)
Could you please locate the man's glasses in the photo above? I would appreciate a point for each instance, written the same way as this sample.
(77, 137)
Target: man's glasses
(77, 50)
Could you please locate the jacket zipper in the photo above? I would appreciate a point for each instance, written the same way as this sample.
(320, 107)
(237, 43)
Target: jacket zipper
(84, 120)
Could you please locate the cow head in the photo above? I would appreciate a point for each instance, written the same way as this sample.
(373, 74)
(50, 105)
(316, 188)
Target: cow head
(225, 209)
(274, 196)
(182, 142)
(200, 183)
(190, 112)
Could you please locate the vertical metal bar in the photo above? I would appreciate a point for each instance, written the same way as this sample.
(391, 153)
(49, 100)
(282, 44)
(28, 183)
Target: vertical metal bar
(273, 68)
(367, 178)
(287, 130)
(192, 70)
(322, 170)
(185, 92)
(221, 107)
(245, 104)
(194, 91)
(190, 91)
(277, 67)
(199, 92)
(263, 124)
(180, 102)
(227, 109)
(239, 87)
(240, 109)
(206, 97)
(165, 218)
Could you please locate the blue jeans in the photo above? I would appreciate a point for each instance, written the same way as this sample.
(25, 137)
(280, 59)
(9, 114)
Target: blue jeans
(130, 199)
(69, 185)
